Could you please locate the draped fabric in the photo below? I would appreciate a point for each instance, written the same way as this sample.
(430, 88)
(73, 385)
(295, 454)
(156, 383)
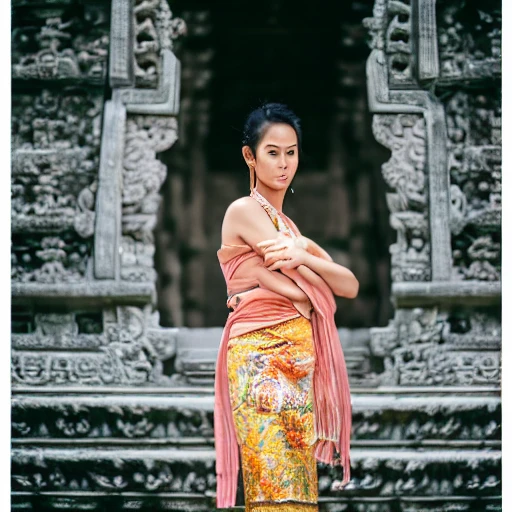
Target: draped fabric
(261, 308)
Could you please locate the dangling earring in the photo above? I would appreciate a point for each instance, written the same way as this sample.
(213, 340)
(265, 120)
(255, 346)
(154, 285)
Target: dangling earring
(252, 178)
(293, 192)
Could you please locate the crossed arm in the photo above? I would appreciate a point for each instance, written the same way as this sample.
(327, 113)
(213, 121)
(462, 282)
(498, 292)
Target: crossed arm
(283, 253)
(245, 219)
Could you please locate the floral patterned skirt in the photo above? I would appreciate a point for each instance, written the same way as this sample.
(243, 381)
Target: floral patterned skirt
(270, 375)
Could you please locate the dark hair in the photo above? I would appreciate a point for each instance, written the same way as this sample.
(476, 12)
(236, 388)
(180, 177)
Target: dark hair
(262, 117)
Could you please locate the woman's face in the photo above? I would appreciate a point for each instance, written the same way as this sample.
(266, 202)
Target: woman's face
(277, 157)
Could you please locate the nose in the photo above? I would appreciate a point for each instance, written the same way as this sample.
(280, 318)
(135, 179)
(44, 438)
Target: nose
(282, 161)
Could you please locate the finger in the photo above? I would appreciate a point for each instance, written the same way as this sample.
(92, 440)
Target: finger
(270, 261)
(276, 265)
(275, 250)
(266, 243)
(274, 246)
(280, 253)
(279, 264)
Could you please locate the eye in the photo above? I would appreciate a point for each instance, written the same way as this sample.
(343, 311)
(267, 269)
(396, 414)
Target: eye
(272, 152)
(291, 152)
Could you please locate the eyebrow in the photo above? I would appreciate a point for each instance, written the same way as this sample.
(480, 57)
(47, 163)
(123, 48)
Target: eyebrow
(279, 146)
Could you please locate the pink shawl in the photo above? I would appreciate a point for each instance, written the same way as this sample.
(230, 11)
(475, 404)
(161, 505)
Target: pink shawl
(332, 404)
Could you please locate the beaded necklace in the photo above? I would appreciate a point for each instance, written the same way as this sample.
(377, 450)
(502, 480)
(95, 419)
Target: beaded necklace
(275, 216)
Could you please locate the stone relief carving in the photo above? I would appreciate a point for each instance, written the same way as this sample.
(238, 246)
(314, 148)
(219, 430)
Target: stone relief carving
(390, 32)
(69, 118)
(387, 424)
(405, 135)
(85, 215)
(376, 24)
(474, 142)
(155, 29)
(398, 42)
(60, 331)
(383, 475)
(137, 263)
(49, 259)
(119, 421)
(145, 137)
(469, 40)
(123, 354)
(55, 140)
(74, 48)
(418, 348)
(143, 175)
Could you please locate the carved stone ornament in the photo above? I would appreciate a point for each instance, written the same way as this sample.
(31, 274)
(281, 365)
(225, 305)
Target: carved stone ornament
(474, 129)
(381, 473)
(418, 348)
(62, 49)
(123, 354)
(469, 40)
(155, 29)
(405, 173)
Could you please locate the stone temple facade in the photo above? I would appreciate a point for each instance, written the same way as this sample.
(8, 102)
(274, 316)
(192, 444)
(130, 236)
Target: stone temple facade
(113, 411)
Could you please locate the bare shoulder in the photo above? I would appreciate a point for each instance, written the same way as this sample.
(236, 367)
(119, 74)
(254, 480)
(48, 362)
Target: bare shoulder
(244, 209)
(243, 204)
(244, 219)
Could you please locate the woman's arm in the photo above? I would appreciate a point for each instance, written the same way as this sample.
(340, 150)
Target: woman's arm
(283, 285)
(286, 254)
(279, 283)
(314, 249)
(340, 279)
(246, 221)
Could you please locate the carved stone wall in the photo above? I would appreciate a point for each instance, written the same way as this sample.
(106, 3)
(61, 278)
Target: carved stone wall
(95, 101)
(434, 89)
(112, 411)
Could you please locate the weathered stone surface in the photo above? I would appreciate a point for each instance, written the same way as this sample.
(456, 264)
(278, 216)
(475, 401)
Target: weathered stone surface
(377, 472)
(428, 347)
(469, 38)
(121, 353)
(446, 331)
(72, 45)
(109, 409)
(405, 174)
(179, 418)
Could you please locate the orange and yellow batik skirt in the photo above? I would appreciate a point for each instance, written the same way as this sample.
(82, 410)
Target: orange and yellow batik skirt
(270, 375)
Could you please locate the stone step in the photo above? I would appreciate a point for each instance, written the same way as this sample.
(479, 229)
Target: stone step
(174, 502)
(179, 419)
(185, 478)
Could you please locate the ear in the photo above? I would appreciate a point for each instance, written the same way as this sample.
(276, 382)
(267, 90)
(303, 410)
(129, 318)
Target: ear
(248, 156)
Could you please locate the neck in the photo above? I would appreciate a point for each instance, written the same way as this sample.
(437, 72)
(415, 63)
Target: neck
(274, 197)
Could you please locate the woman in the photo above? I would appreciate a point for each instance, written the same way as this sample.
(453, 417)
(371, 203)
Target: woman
(282, 398)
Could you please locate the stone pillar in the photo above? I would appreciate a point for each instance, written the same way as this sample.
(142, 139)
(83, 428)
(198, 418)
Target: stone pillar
(90, 363)
(434, 89)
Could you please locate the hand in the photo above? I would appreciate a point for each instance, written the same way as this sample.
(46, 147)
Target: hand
(282, 253)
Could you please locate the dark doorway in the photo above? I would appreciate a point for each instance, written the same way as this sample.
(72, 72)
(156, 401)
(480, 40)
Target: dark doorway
(312, 59)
